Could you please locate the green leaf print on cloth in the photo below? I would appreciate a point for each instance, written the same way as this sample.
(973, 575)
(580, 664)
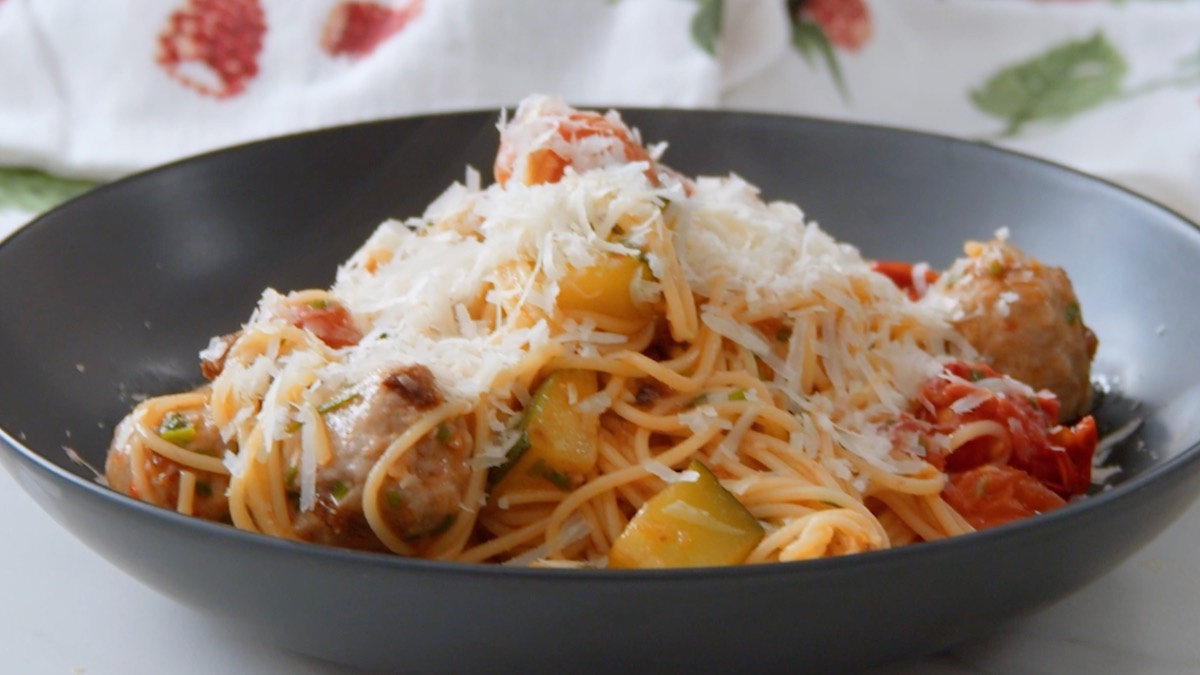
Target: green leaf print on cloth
(34, 191)
(706, 25)
(1069, 79)
(810, 41)
(1054, 85)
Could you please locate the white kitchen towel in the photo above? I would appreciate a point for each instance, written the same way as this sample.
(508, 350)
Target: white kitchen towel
(100, 89)
(103, 88)
(1110, 87)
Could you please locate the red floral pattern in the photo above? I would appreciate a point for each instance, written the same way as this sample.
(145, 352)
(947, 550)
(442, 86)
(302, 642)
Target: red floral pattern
(822, 28)
(846, 23)
(355, 29)
(212, 46)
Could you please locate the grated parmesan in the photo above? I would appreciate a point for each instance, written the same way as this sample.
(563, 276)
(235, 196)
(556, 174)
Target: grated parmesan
(669, 475)
(469, 290)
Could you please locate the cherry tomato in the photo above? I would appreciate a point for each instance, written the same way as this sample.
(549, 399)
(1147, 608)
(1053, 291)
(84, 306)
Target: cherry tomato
(329, 321)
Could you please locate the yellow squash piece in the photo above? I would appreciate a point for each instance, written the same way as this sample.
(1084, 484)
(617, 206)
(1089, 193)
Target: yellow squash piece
(558, 446)
(604, 288)
(688, 524)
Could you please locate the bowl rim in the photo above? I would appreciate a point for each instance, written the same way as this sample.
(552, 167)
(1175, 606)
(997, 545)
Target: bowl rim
(1185, 460)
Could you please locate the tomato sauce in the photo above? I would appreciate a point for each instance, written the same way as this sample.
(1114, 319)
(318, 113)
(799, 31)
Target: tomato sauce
(901, 274)
(1026, 465)
(991, 495)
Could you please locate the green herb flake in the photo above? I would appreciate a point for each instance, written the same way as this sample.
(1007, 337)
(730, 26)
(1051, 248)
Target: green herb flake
(395, 498)
(177, 429)
(203, 489)
(995, 269)
(783, 335)
(699, 400)
(738, 395)
(443, 433)
(975, 374)
(289, 477)
(173, 421)
(1072, 312)
(446, 523)
(339, 490)
(319, 303)
(341, 400)
(293, 426)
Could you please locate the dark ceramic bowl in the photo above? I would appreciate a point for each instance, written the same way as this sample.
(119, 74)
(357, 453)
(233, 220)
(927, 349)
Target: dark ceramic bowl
(113, 294)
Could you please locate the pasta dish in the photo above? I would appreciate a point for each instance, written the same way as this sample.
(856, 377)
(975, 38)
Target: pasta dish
(596, 361)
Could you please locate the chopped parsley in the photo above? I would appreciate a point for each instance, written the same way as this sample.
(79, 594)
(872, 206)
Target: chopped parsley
(1072, 312)
(339, 490)
(341, 400)
(177, 429)
(448, 521)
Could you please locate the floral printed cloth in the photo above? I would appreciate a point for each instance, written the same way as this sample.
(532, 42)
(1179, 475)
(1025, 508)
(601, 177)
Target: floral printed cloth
(96, 90)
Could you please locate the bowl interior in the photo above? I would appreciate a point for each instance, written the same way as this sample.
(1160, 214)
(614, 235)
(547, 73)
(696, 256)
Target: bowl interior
(110, 297)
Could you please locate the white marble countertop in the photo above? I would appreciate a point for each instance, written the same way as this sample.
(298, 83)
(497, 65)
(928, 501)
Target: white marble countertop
(67, 611)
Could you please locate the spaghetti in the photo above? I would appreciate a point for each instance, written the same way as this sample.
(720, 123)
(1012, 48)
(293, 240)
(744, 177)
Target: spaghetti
(592, 355)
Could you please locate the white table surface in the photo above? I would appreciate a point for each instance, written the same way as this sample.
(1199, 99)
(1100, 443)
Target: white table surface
(66, 611)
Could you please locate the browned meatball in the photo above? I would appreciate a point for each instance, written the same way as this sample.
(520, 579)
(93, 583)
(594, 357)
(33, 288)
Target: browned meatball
(1024, 319)
(422, 494)
(162, 474)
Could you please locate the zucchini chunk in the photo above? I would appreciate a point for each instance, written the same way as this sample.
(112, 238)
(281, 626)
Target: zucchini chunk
(604, 288)
(688, 524)
(558, 444)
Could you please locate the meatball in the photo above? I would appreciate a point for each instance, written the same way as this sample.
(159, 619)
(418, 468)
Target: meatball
(163, 474)
(1024, 319)
(423, 492)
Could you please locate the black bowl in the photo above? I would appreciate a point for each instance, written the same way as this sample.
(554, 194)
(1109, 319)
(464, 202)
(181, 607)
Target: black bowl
(110, 297)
